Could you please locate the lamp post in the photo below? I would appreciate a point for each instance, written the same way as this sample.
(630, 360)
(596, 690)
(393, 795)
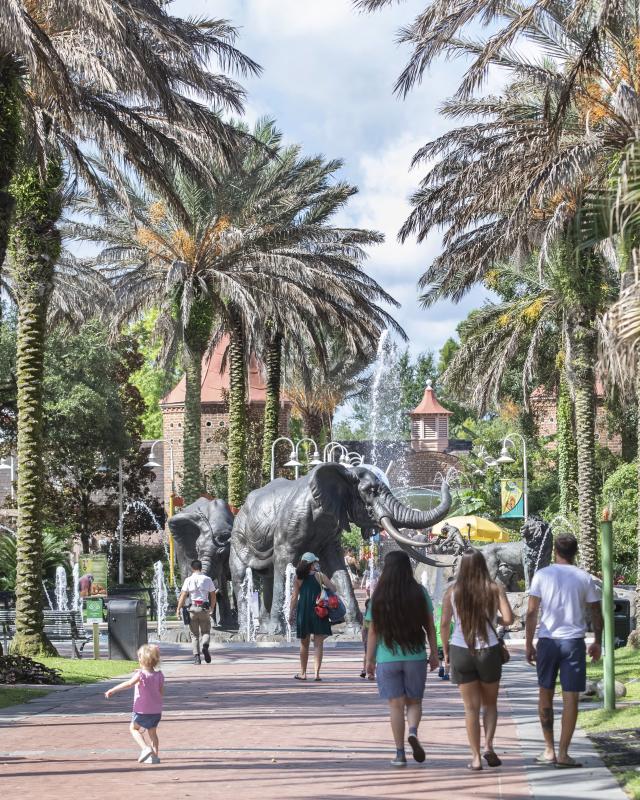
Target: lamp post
(315, 458)
(120, 525)
(151, 464)
(10, 466)
(505, 458)
(327, 453)
(293, 460)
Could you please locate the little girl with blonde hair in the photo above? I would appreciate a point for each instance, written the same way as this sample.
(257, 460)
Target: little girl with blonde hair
(147, 702)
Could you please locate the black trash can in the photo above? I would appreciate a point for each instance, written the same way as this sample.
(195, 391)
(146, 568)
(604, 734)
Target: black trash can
(621, 621)
(127, 622)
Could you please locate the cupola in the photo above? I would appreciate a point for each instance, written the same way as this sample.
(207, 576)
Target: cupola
(430, 423)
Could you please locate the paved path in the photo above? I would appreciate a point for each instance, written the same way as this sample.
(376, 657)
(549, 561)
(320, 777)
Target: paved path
(242, 728)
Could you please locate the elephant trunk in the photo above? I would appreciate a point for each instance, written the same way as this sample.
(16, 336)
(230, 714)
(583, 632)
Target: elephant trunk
(404, 517)
(206, 564)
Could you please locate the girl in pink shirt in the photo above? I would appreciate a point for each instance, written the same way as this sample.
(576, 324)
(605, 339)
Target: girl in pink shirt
(147, 702)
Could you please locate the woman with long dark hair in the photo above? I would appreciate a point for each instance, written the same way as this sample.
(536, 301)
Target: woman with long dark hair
(306, 590)
(473, 650)
(401, 620)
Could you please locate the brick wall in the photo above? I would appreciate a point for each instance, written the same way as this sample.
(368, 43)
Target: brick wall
(215, 423)
(543, 409)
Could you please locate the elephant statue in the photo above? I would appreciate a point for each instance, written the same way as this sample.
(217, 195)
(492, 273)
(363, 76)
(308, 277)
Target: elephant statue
(202, 530)
(284, 519)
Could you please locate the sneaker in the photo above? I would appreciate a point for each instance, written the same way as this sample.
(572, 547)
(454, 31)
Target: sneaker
(441, 672)
(197, 659)
(144, 754)
(446, 677)
(399, 761)
(205, 653)
(363, 674)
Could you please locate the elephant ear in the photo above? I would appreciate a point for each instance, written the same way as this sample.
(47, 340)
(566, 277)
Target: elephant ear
(332, 487)
(185, 531)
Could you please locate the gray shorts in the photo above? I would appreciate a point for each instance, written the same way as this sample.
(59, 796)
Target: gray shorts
(483, 664)
(401, 679)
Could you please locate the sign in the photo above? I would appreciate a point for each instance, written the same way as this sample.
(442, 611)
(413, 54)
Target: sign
(93, 610)
(93, 575)
(512, 495)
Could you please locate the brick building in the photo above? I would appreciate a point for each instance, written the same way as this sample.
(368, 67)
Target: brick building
(544, 411)
(215, 415)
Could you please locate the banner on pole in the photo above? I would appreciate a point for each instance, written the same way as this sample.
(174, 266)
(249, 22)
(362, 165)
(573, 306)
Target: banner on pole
(93, 575)
(512, 498)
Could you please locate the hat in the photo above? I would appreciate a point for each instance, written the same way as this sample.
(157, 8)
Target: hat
(309, 557)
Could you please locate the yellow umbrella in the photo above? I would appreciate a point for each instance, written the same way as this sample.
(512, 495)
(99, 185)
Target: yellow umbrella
(478, 529)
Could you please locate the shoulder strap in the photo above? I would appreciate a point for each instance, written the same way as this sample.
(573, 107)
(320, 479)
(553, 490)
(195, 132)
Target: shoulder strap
(319, 578)
(493, 628)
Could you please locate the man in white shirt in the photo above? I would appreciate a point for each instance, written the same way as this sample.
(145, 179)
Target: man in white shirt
(202, 591)
(562, 593)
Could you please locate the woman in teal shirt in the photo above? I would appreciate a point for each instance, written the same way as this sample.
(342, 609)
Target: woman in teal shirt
(401, 617)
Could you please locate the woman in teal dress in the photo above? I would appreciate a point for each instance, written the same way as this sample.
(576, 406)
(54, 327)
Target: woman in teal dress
(308, 585)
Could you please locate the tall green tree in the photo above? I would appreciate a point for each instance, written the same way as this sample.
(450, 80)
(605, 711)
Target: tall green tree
(257, 246)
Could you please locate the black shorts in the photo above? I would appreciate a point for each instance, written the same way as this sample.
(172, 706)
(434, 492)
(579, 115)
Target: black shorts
(483, 664)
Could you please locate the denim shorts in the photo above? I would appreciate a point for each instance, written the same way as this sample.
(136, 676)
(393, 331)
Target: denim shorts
(565, 656)
(146, 721)
(401, 679)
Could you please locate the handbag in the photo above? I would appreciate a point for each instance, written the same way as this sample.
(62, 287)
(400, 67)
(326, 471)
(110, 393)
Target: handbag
(505, 655)
(329, 604)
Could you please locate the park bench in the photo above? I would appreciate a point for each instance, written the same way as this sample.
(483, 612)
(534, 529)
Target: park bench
(59, 626)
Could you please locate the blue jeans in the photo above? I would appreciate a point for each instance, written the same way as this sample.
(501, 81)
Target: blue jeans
(565, 656)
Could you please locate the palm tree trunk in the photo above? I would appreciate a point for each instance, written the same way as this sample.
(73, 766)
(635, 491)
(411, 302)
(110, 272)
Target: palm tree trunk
(34, 247)
(9, 147)
(196, 336)
(637, 604)
(272, 402)
(237, 445)
(567, 455)
(192, 480)
(583, 356)
(312, 425)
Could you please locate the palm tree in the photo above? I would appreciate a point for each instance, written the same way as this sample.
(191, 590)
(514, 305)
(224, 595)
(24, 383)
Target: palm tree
(121, 79)
(255, 246)
(515, 180)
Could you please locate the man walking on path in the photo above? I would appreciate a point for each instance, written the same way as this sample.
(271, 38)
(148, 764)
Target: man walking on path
(202, 591)
(562, 592)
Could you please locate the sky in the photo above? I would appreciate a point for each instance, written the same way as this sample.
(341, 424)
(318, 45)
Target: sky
(328, 75)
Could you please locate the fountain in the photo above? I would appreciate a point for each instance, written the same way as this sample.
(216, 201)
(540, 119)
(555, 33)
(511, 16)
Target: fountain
(290, 575)
(139, 505)
(160, 598)
(62, 601)
(248, 618)
(375, 393)
(77, 600)
(47, 595)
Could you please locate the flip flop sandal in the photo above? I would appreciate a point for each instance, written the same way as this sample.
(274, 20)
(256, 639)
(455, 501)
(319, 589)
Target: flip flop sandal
(474, 769)
(317, 680)
(299, 678)
(418, 750)
(572, 764)
(492, 758)
(542, 759)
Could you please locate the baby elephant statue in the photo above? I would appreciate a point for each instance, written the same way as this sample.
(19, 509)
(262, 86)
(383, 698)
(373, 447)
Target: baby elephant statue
(202, 530)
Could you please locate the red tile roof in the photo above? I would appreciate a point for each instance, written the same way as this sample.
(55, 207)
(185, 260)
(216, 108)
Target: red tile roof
(215, 380)
(429, 403)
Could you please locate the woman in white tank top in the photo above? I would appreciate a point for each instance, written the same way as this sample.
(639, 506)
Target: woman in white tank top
(473, 603)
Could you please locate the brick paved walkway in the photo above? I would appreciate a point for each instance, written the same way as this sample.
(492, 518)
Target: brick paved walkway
(242, 728)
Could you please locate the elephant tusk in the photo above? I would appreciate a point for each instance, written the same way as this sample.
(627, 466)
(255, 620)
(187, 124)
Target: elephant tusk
(394, 533)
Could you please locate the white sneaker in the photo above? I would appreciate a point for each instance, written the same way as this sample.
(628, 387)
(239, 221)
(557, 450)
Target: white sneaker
(144, 754)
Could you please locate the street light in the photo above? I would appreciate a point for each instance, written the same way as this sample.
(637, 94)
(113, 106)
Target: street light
(505, 458)
(273, 453)
(10, 466)
(315, 459)
(153, 464)
(330, 447)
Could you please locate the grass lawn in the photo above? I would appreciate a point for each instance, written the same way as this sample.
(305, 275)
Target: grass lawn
(627, 667)
(12, 696)
(599, 720)
(88, 670)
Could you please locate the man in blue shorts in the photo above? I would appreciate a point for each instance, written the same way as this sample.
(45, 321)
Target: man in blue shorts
(562, 592)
